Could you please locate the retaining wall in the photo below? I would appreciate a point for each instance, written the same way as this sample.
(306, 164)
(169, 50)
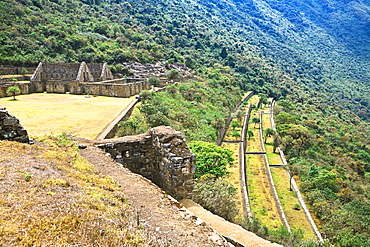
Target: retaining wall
(24, 87)
(272, 185)
(223, 131)
(294, 184)
(243, 174)
(161, 155)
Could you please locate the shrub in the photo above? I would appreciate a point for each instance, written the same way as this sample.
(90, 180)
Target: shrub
(211, 160)
(154, 81)
(217, 196)
(173, 74)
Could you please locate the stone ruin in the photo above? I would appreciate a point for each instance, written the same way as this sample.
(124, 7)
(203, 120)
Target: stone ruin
(75, 78)
(88, 78)
(161, 155)
(158, 70)
(11, 129)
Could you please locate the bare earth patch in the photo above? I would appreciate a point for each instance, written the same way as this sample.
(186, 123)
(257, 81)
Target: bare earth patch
(85, 117)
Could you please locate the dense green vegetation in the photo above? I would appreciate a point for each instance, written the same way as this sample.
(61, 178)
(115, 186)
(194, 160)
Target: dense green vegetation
(197, 109)
(331, 156)
(314, 54)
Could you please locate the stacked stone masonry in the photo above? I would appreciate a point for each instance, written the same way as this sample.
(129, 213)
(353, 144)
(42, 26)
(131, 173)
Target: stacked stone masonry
(75, 78)
(161, 155)
(11, 129)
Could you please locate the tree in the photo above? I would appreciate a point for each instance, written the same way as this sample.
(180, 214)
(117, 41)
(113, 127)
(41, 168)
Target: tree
(268, 133)
(154, 81)
(276, 142)
(13, 90)
(235, 134)
(295, 137)
(263, 99)
(286, 167)
(250, 134)
(223, 53)
(235, 124)
(255, 120)
(285, 118)
(173, 74)
(211, 159)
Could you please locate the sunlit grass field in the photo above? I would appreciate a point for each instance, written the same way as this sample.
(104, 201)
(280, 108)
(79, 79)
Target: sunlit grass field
(262, 203)
(57, 113)
(288, 199)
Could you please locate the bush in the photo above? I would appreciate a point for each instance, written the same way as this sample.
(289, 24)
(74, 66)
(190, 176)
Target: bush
(154, 81)
(145, 94)
(173, 74)
(217, 196)
(212, 160)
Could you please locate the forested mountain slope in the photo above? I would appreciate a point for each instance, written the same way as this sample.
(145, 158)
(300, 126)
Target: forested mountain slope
(312, 54)
(322, 45)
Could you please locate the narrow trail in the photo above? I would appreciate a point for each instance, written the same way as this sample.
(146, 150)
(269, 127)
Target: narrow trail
(225, 228)
(164, 220)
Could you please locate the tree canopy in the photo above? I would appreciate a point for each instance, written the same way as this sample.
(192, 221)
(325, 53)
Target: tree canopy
(211, 159)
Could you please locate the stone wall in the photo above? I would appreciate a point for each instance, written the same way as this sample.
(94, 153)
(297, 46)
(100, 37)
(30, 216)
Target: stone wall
(100, 71)
(59, 71)
(12, 70)
(161, 155)
(11, 129)
(24, 87)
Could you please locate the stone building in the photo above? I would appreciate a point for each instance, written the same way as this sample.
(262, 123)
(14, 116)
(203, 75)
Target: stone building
(75, 78)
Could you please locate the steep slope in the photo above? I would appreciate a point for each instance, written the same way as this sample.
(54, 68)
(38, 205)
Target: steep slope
(312, 53)
(52, 196)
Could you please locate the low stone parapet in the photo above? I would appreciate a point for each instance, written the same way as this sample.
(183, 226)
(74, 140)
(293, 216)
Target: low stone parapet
(161, 155)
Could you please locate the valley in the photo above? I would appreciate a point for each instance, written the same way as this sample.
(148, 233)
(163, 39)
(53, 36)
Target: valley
(311, 58)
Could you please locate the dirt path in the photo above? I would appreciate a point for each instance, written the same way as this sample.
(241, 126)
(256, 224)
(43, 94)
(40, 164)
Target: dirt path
(165, 221)
(226, 228)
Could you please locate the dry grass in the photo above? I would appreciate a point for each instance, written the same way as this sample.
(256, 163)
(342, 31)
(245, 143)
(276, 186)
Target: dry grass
(288, 199)
(273, 158)
(254, 99)
(57, 113)
(253, 143)
(266, 123)
(52, 197)
(234, 177)
(262, 203)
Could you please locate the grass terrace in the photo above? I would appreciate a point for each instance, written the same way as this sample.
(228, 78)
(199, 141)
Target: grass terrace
(262, 203)
(295, 215)
(83, 116)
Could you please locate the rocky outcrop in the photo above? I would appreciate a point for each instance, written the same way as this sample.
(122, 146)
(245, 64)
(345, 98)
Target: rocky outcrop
(161, 155)
(11, 129)
(159, 69)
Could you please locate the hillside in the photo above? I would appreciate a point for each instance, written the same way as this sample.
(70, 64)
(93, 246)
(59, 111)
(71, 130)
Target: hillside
(312, 56)
(53, 196)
